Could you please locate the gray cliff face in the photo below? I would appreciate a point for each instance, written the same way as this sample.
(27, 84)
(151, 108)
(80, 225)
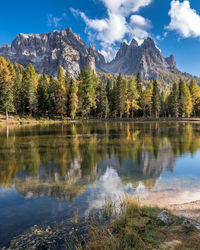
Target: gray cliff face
(146, 59)
(49, 50)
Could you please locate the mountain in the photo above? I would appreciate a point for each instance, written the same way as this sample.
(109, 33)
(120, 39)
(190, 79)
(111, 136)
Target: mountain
(49, 50)
(146, 59)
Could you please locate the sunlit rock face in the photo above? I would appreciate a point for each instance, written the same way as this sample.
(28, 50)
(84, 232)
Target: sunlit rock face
(49, 50)
(146, 59)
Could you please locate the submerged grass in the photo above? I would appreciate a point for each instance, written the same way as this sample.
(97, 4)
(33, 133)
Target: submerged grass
(137, 227)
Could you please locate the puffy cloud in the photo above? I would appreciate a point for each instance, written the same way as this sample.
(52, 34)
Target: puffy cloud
(119, 22)
(184, 19)
(55, 21)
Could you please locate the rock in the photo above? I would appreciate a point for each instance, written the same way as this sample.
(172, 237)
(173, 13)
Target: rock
(188, 223)
(49, 50)
(165, 217)
(146, 59)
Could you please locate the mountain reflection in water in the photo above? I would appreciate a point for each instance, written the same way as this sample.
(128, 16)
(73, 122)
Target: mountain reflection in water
(52, 170)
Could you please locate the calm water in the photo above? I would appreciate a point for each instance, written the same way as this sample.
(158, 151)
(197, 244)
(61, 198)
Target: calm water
(47, 172)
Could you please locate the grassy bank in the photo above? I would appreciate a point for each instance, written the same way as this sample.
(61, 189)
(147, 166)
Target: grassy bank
(127, 226)
(137, 227)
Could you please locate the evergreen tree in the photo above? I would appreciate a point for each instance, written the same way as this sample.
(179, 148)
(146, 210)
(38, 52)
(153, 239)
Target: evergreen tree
(155, 100)
(43, 95)
(119, 95)
(140, 91)
(18, 88)
(185, 99)
(73, 99)
(102, 101)
(60, 95)
(87, 92)
(6, 88)
(173, 103)
(29, 90)
(109, 93)
(52, 95)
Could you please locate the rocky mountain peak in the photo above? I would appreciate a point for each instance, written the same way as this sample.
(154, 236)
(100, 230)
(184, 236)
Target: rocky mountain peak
(146, 59)
(122, 50)
(171, 61)
(148, 43)
(134, 42)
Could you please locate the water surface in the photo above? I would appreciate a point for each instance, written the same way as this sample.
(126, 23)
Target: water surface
(47, 172)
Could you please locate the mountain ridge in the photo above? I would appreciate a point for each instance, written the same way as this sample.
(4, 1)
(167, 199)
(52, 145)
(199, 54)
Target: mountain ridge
(49, 50)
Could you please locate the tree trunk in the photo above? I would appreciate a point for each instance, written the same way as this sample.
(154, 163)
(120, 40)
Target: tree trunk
(6, 115)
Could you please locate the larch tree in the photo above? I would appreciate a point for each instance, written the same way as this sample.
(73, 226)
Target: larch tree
(195, 96)
(73, 98)
(147, 100)
(61, 93)
(133, 96)
(185, 99)
(6, 88)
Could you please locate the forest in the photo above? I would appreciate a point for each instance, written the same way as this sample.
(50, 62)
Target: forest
(24, 92)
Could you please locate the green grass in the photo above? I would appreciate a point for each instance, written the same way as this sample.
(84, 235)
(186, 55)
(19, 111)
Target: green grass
(137, 227)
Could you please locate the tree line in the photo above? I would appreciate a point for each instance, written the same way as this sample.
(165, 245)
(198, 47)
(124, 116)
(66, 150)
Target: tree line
(24, 92)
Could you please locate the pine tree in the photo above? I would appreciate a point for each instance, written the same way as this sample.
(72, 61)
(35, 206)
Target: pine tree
(173, 103)
(73, 99)
(6, 88)
(18, 88)
(140, 91)
(43, 95)
(155, 100)
(87, 92)
(52, 95)
(102, 101)
(119, 95)
(185, 99)
(29, 91)
(61, 93)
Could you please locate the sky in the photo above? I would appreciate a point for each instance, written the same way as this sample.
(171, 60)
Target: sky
(173, 24)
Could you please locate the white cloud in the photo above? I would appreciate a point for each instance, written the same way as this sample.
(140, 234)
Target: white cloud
(55, 21)
(119, 23)
(184, 19)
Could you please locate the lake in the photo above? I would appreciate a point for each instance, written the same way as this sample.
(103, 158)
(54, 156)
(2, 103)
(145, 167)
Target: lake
(47, 172)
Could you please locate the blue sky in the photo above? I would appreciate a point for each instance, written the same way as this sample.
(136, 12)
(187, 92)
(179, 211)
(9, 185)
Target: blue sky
(173, 24)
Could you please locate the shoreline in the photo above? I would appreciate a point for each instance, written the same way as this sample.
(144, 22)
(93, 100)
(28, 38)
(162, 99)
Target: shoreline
(82, 233)
(16, 120)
